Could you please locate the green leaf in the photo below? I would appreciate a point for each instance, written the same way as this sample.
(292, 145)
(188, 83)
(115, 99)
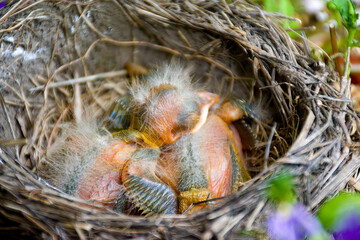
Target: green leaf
(331, 212)
(331, 6)
(281, 189)
(346, 9)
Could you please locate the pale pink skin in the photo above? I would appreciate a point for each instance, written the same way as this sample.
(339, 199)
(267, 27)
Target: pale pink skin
(214, 150)
(103, 189)
(102, 182)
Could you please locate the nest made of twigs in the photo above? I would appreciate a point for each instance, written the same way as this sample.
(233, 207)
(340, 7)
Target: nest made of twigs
(59, 56)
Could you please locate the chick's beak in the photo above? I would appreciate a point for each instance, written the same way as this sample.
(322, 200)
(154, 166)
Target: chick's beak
(207, 101)
(171, 137)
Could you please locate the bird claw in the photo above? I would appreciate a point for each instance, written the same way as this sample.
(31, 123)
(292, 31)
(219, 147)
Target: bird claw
(194, 195)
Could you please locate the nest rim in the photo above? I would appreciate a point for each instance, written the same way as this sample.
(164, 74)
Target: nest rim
(220, 220)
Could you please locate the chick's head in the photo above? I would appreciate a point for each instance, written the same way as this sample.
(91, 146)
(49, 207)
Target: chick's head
(169, 113)
(167, 105)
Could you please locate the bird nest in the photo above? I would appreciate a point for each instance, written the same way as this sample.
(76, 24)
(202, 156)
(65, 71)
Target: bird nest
(59, 57)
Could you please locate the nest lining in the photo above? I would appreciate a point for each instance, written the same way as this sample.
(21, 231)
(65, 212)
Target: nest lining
(237, 47)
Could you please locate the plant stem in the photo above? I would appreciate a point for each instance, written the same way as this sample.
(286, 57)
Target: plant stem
(345, 80)
(335, 49)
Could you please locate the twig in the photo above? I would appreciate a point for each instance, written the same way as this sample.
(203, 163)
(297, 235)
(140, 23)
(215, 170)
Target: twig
(267, 150)
(355, 184)
(90, 78)
(345, 80)
(13, 142)
(335, 48)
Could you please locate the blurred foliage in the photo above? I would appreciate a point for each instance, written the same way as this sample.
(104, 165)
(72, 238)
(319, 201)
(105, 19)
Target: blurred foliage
(332, 211)
(283, 6)
(286, 7)
(347, 11)
(281, 188)
(254, 234)
(341, 12)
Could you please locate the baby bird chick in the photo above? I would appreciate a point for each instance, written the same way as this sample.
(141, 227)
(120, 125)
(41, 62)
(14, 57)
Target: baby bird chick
(204, 165)
(164, 106)
(108, 170)
(86, 164)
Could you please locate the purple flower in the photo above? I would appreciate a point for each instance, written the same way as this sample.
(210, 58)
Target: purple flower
(348, 227)
(3, 4)
(293, 222)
